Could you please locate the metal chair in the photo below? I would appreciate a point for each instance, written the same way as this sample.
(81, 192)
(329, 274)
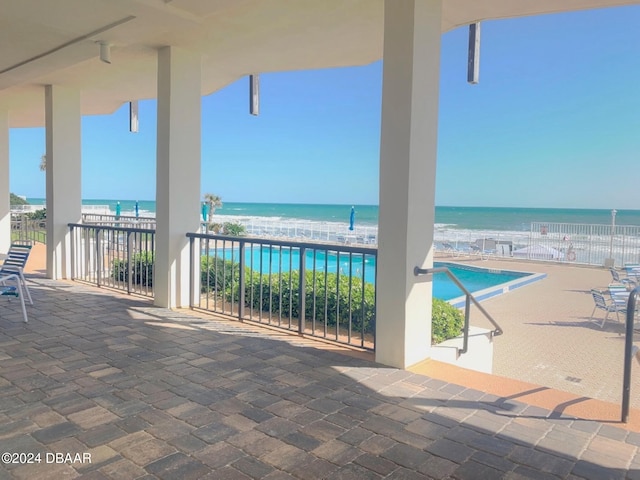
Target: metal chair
(609, 307)
(13, 290)
(615, 275)
(14, 263)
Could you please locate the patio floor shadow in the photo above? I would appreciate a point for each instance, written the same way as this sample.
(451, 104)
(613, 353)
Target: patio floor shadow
(146, 392)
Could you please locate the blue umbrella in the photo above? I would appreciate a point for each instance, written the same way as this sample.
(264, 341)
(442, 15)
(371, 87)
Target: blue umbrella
(137, 209)
(205, 211)
(118, 210)
(352, 218)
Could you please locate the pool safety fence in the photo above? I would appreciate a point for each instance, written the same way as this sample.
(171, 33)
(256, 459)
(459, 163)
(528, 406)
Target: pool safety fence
(310, 288)
(121, 258)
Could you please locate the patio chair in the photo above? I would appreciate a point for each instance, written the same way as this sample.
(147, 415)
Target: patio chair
(13, 290)
(14, 263)
(632, 270)
(608, 307)
(629, 282)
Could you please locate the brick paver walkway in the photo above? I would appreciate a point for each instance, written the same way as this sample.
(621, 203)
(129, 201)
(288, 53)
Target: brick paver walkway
(153, 393)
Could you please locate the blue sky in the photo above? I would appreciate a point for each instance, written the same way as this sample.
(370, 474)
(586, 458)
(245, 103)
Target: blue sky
(554, 122)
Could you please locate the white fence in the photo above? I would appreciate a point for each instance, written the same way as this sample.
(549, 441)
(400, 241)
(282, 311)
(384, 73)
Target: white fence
(586, 244)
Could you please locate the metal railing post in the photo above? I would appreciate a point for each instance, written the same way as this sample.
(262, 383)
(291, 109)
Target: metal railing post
(241, 280)
(73, 253)
(191, 270)
(129, 269)
(98, 258)
(302, 293)
(628, 354)
(467, 314)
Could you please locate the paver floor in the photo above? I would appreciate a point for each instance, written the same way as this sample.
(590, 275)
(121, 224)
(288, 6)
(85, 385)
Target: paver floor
(154, 393)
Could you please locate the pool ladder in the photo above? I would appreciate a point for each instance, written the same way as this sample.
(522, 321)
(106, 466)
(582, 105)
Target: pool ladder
(417, 271)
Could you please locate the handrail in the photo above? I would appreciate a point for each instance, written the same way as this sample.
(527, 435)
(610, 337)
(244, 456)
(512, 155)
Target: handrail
(285, 243)
(111, 228)
(628, 353)
(467, 307)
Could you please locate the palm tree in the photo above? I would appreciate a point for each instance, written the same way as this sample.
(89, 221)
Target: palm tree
(214, 202)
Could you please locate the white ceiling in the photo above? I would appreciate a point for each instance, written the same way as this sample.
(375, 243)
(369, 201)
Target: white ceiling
(55, 42)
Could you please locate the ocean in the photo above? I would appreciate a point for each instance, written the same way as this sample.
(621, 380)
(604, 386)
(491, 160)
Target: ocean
(459, 226)
(462, 218)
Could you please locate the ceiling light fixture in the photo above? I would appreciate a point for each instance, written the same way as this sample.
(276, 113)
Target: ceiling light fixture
(105, 52)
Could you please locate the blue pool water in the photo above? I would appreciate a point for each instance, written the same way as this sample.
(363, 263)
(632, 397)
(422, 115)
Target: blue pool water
(267, 260)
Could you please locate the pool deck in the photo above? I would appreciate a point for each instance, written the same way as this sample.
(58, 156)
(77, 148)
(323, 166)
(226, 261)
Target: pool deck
(155, 393)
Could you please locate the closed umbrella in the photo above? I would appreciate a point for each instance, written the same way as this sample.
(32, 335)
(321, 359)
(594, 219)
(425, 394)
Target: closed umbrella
(118, 210)
(352, 218)
(137, 209)
(205, 211)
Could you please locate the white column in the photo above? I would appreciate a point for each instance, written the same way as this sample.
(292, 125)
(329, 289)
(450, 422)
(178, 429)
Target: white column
(411, 74)
(178, 172)
(64, 185)
(5, 209)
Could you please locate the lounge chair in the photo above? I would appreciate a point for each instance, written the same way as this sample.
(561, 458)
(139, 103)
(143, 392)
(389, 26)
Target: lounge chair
(14, 263)
(454, 250)
(482, 253)
(610, 306)
(7, 290)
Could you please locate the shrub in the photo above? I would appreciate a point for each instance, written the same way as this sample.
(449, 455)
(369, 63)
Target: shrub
(16, 200)
(217, 274)
(447, 321)
(279, 294)
(233, 229)
(141, 269)
(38, 214)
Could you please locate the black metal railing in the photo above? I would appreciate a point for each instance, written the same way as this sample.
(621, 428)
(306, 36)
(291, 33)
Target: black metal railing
(320, 290)
(117, 257)
(469, 298)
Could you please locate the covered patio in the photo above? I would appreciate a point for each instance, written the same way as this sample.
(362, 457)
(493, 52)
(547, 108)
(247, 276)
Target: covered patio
(150, 392)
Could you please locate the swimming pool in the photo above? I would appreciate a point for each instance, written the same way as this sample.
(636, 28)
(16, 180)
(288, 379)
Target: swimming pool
(482, 282)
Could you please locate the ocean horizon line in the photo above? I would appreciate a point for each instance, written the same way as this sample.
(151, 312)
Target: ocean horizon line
(505, 207)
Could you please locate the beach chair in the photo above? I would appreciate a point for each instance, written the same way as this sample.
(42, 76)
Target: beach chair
(608, 307)
(15, 290)
(14, 263)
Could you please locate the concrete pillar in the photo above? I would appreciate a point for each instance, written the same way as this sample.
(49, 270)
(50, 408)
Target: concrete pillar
(64, 197)
(178, 172)
(410, 91)
(5, 209)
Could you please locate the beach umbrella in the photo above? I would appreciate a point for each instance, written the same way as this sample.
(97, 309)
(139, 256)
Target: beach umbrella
(205, 211)
(137, 209)
(118, 210)
(352, 218)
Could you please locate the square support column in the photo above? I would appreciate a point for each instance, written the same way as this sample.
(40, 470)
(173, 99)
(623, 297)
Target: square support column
(178, 172)
(5, 207)
(64, 180)
(408, 145)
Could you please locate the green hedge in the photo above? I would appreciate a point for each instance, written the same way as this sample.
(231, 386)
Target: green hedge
(279, 294)
(446, 321)
(141, 269)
